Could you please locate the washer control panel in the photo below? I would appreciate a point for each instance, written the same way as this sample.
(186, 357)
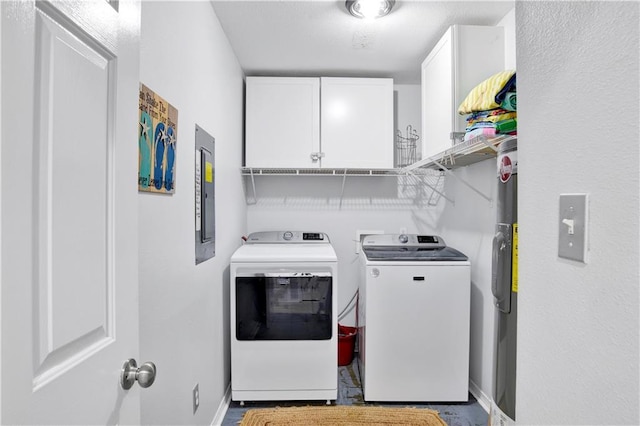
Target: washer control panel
(400, 240)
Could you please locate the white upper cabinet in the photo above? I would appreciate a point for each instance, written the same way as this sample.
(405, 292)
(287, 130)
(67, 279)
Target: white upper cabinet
(357, 122)
(294, 122)
(282, 122)
(465, 56)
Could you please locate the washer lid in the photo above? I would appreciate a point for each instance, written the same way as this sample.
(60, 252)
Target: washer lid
(413, 254)
(409, 247)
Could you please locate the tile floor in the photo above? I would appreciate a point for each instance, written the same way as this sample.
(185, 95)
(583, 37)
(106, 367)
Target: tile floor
(468, 413)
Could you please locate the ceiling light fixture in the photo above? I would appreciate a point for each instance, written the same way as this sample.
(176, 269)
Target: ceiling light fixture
(369, 9)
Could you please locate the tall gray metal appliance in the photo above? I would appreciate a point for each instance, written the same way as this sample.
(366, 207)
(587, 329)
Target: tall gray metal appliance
(504, 285)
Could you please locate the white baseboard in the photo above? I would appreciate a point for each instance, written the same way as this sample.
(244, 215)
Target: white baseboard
(483, 399)
(222, 408)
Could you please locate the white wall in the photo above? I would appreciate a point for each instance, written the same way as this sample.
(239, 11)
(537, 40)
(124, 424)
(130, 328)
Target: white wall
(407, 101)
(578, 131)
(469, 226)
(187, 60)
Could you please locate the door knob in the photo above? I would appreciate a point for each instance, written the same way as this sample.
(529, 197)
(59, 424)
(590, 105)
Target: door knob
(145, 374)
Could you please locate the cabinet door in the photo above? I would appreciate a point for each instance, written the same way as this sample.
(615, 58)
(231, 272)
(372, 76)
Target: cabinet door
(282, 122)
(465, 56)
(357, 122)
(437, 97)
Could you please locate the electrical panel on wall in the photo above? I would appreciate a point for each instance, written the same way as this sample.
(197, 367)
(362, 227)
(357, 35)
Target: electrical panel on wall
(204, 196)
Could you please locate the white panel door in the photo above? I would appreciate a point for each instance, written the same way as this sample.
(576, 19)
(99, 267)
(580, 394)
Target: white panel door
(357, 122)
(68, 211)
(282, 122)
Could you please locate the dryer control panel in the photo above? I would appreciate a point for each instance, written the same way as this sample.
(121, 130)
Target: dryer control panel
(287, 237)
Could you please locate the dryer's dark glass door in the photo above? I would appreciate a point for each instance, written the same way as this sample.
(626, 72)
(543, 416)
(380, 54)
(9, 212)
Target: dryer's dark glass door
(295, 307)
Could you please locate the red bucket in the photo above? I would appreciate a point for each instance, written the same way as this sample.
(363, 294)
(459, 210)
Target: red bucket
(346, 344)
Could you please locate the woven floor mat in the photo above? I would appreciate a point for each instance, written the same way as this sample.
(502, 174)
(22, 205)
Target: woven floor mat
(341, 415)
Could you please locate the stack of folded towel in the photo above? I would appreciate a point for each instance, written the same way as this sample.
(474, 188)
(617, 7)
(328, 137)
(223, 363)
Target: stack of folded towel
(491, 106)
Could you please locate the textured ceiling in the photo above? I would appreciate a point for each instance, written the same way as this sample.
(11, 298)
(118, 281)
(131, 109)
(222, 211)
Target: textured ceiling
(320, 38)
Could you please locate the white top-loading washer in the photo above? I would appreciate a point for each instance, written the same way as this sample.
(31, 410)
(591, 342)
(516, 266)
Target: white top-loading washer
(283, 317)
(413, 319)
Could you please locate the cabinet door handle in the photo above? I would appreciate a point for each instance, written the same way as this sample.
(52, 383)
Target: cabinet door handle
(315, 156)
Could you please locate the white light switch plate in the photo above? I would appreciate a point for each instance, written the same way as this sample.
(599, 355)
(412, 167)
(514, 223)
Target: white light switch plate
(573, 227)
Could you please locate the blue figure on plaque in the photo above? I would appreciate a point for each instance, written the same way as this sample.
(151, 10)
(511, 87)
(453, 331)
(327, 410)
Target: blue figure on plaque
(159, 142)
(171, 155)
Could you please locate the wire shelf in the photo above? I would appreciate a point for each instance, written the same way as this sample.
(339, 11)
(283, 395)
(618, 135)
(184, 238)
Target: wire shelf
(419, 182)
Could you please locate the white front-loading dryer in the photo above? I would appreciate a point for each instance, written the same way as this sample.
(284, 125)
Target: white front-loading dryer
(283, 318)
(413, 319)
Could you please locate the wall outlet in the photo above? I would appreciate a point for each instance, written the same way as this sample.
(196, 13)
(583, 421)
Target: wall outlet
(196, 398)
(360, 233)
